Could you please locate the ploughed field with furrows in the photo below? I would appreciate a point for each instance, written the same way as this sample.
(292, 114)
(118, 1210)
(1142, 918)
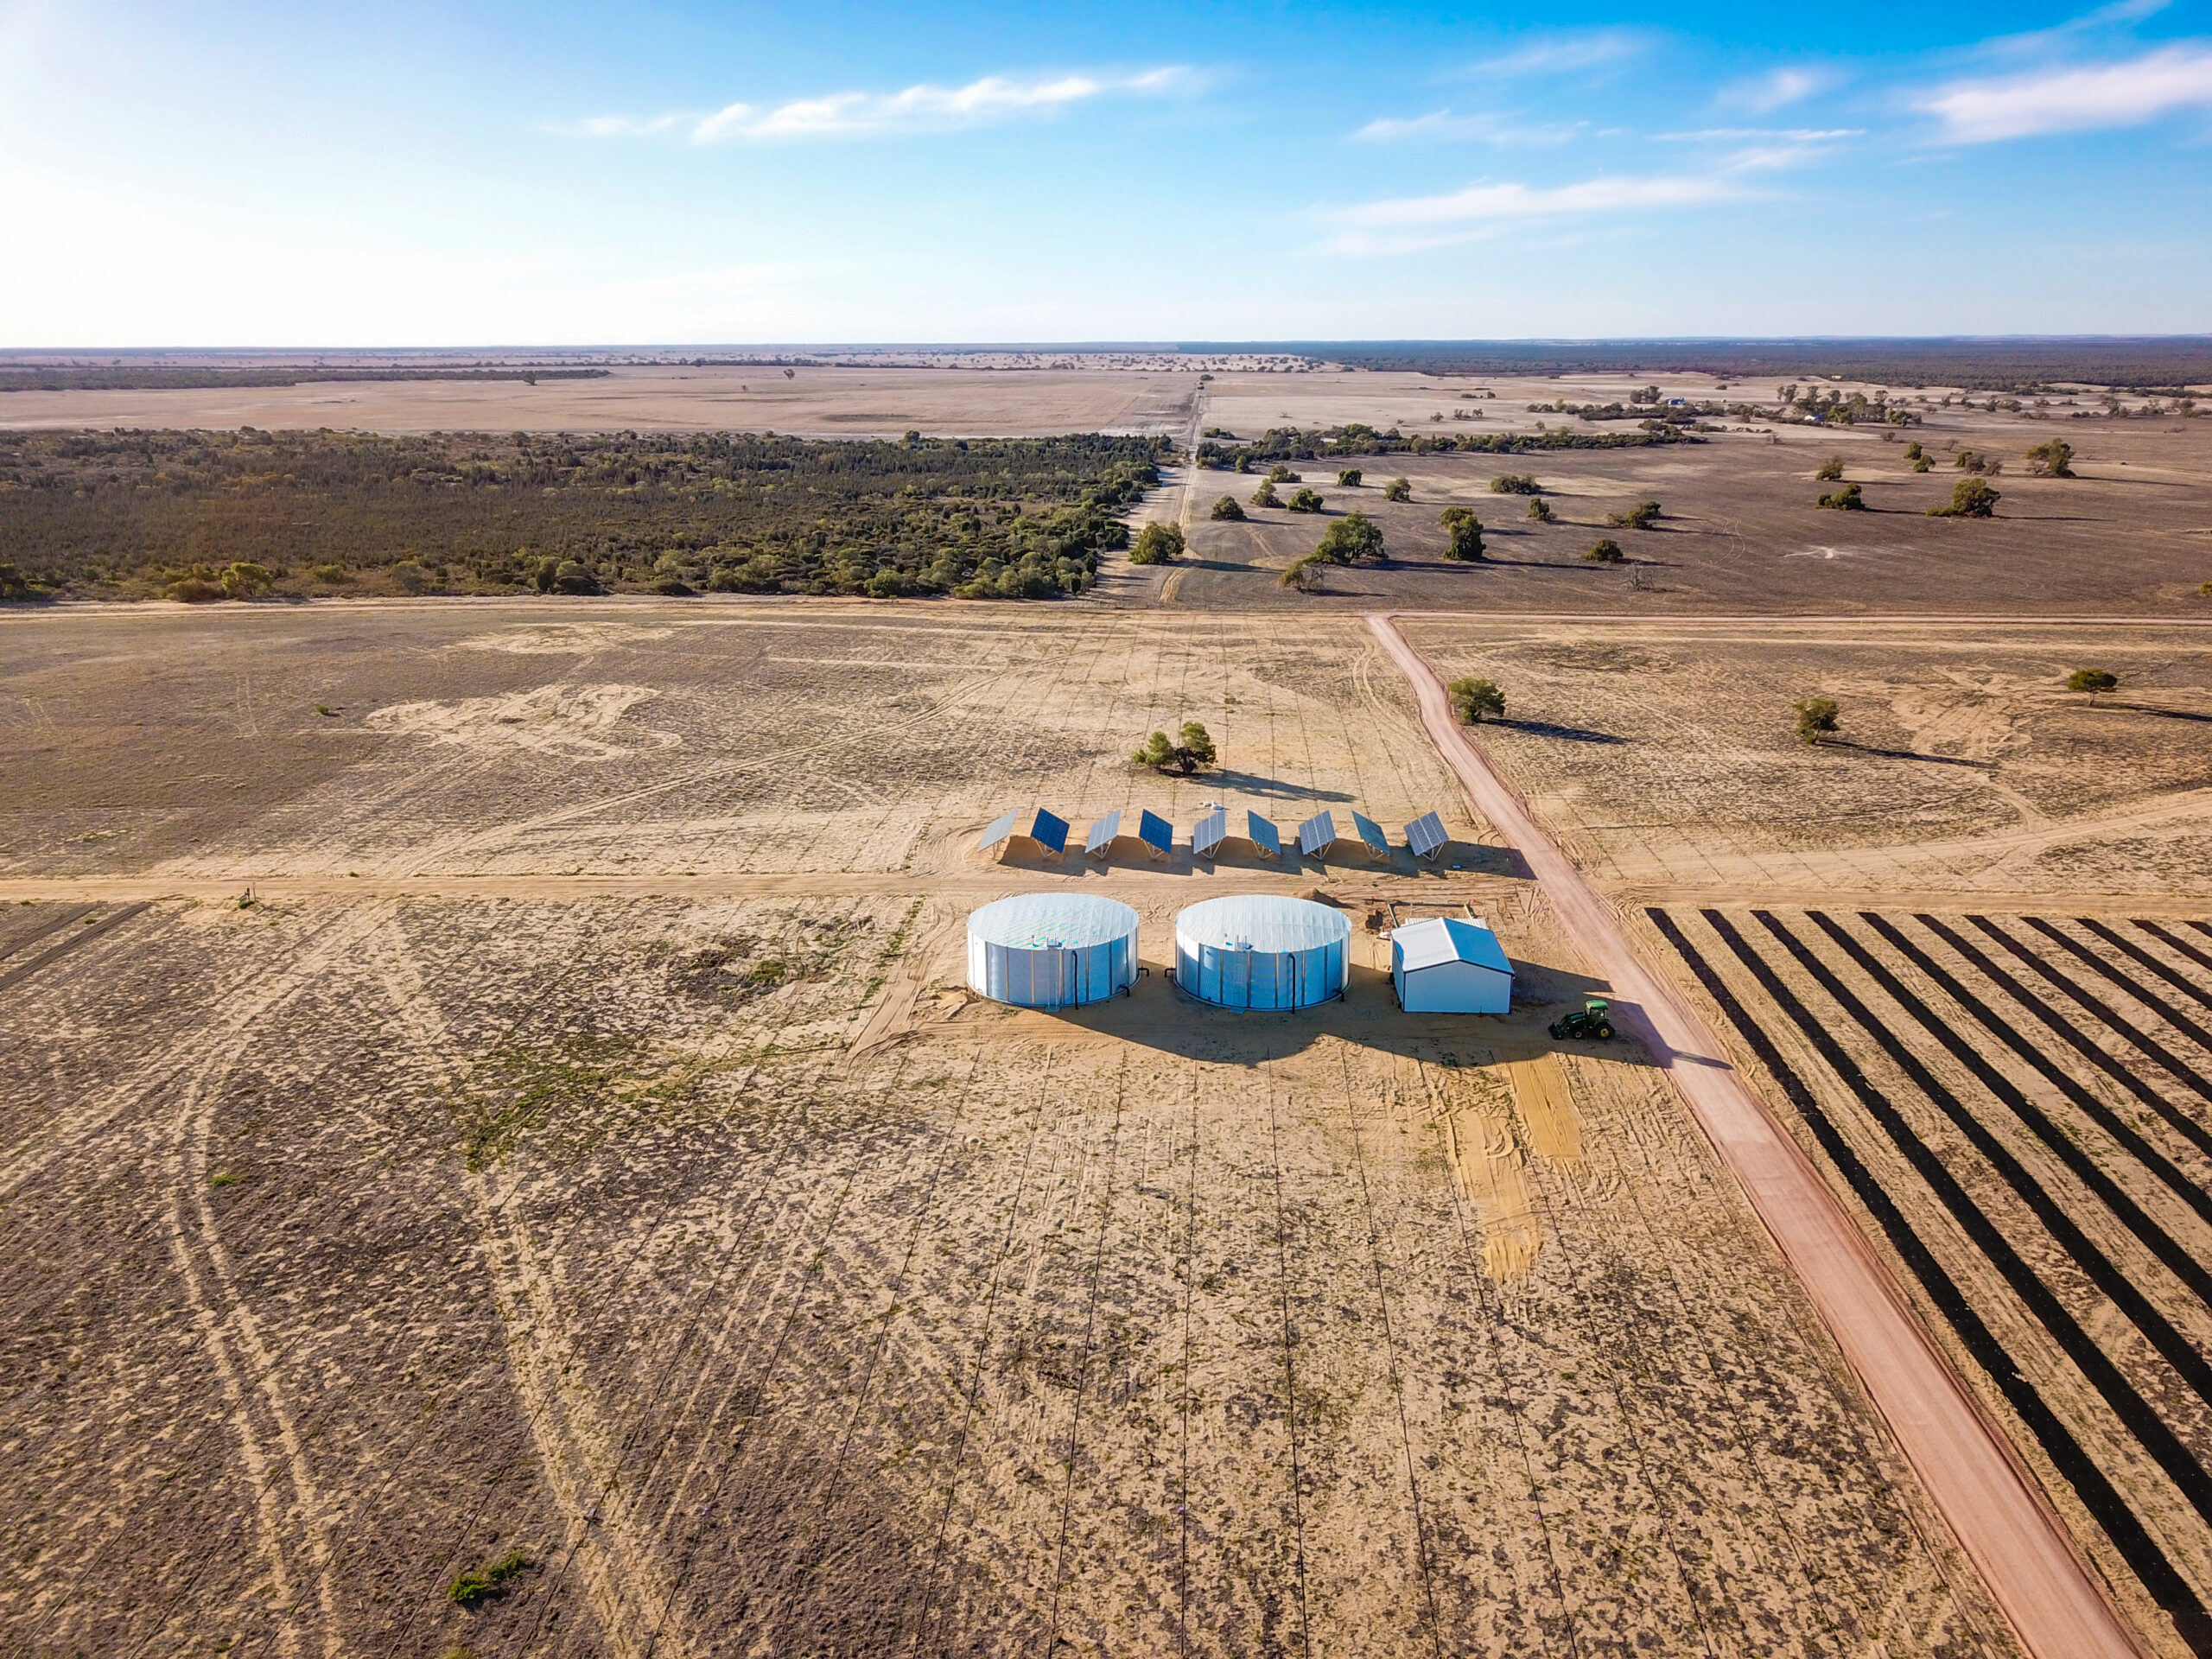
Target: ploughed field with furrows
(2018, 1110)
(348, 1246)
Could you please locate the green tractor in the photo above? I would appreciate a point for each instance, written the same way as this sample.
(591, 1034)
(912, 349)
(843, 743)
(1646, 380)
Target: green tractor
(1594, 1020)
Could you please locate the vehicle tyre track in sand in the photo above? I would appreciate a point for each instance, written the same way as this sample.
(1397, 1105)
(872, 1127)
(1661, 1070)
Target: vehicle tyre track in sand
(2103, 1500)
(623, 1580)
(1981, 1491)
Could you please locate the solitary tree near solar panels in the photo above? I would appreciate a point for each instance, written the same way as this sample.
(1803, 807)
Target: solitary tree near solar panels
(1473, 698)
(2091, 680)
(1194, 750)
(1816, 719)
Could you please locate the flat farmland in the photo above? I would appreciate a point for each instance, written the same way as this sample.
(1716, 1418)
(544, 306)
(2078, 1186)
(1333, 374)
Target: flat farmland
(2013, 1106)
(582, 1145)
(1665, 757)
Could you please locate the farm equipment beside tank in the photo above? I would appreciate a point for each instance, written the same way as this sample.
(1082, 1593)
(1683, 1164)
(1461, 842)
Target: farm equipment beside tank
(1592, 1021)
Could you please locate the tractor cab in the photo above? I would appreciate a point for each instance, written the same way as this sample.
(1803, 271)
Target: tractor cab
(1592, 1022)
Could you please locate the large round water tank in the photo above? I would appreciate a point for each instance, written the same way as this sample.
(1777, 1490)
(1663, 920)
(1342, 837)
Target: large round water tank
(1258, 951)
(1052, 949)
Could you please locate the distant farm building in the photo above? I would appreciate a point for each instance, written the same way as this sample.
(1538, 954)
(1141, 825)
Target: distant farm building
(1441, 964)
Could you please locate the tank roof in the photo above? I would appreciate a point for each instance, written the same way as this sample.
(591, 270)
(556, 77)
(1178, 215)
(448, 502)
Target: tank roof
(1263, 922)
(1059, 921)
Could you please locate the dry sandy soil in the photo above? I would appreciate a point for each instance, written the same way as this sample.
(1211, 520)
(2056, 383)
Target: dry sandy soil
(698, 1236)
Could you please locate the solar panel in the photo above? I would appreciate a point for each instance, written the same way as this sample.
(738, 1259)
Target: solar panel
(1425, 834)
(1100, 841)
(1210, 832)
(1266, 838)
(1316, 835)
(1371, 833)
(1049, 832)
(1156, 833)
(999, 829)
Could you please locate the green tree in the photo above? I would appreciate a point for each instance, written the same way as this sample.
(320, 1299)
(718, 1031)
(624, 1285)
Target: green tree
(1265, 496)
(1816, 719)
(2091, 680)
(1473, 698)
(1830, 470)
(1541, 511)
(1349, 478)
(1912, 451)
(1281, 474)
(1192, 750)
(1642, 516)
(1970, 498)
(246, 581)
(1846, 499)
(2051, 459)
(1463, 534)
(1607, 552)
(1516, 484)
(1921, 464)
(1353, 538)
(1303, 500)
(1969, 460)
(1158, 544)
(1306, 575)
(1398, 489)
(1227, 507)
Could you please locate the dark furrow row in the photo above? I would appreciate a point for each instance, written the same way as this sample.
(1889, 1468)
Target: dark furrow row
(2171, 1175)
(2099, 1268)
(2097, 1494)
(2154, 1237)
(85, 936)
(2180, 947)
(2135, 952)
(2174, 1118)
(2134, 988)
(2185, 1074)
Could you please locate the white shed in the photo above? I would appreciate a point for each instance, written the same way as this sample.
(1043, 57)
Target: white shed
(1443, 965)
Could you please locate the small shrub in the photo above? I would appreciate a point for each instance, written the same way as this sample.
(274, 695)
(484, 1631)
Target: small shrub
(1303, 501)
(1642, 516)
(2051, 459)
(1464, 533)
(1473, 698)
(1969, 460)
(489, 1579)
(1280, 474)
(1265, 496)
(1158, 544)
(1921, 464)
(1913, 451)
(1516, 484)
(572, 577)
(1830, 470)
(1398, 489)
(1349, 478)
(411, 578)
(1307, 575)
(325, 711)
(2091, 680)
(1607, 552)
(1228, 507)
(244, 581)
(1970, 498)
(332, 576)
(1816, 719)
(1351, 539)
(193, 591)
(1846, 499)
(1541, 511)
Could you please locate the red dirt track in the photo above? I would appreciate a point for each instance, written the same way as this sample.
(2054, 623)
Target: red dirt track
(2000, 1520)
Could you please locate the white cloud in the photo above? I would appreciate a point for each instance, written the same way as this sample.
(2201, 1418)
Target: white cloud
(1488, 128)
(2073, 100)
(1558, 53)
(1774, 89)
(917, 109)
(1785, 134)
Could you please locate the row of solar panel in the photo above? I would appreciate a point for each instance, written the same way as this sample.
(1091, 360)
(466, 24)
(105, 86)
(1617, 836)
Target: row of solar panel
(1424, 836)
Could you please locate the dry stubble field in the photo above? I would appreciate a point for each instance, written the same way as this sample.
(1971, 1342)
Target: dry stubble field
(582, 1146)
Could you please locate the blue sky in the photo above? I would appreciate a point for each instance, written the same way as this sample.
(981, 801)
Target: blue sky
(468, 173)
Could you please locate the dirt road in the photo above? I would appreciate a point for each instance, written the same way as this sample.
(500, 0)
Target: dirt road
(1999, 1520)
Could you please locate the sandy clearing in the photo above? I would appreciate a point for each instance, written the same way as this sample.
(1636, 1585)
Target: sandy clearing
(2003, 1524)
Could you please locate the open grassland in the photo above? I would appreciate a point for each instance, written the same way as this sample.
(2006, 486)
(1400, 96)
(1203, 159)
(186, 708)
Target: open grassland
(582, 1146)
(2014, 1106)
(1665, 756)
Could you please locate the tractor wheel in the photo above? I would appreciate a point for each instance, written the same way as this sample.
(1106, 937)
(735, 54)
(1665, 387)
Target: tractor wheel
(1604, 1033)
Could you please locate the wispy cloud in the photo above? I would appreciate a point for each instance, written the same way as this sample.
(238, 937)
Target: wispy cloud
(1408, 224)
(1563, 53)
(1774, 89)
(1486, 128)
(1781, 135)
(2123, 94)
(923, 108)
